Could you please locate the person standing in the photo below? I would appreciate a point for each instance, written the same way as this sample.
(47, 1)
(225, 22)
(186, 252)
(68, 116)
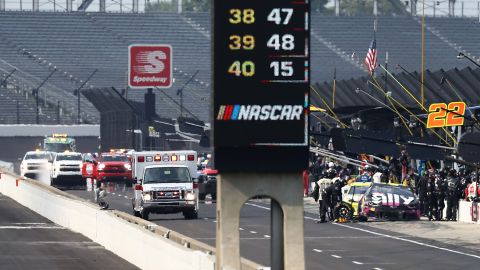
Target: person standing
(431, 197)
(452, 195)
(440, 193)
(421, 190)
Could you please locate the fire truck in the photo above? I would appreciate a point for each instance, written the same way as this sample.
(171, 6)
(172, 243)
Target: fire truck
(165, 183)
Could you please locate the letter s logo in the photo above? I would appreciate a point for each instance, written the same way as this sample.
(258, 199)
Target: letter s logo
(152, 62)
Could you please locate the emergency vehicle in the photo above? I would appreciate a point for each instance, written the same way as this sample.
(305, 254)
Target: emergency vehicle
(107, 167)
(66, 166)
(35, 163)
(166, 183)
(59, 143)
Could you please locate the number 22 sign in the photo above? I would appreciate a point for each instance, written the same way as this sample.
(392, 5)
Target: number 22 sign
(443, 115)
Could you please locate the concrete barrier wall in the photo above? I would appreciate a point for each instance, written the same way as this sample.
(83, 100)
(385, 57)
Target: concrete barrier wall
(466, 212)
(134, 243)
(48, 130)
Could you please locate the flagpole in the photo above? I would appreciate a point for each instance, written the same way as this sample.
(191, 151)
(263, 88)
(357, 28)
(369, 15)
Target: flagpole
(374, 38)
(423, 53)
(334, 86)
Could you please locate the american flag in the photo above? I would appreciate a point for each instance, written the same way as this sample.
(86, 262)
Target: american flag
(371, 60)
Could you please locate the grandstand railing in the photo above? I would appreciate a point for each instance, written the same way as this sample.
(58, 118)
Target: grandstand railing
(48, 94)
(432, 8)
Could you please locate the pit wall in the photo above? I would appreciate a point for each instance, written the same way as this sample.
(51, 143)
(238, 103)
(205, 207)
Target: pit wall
(134, 240)
(466, 212)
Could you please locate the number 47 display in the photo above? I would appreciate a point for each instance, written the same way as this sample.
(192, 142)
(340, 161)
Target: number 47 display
(443, 115)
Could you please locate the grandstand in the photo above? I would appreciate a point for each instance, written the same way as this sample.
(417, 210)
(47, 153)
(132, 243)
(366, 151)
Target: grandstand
(77, 43)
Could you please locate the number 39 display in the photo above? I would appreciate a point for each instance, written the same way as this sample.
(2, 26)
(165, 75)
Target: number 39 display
(443, 115)
(261, 84)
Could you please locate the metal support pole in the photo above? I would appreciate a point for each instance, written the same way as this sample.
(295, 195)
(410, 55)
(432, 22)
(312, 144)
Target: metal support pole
(277, 236)
(58, 113)
(2, 5)
(135, 6)
(375, 8)
(8, 76)
(36, 95)
(35, 5)
(102, 6)
(78, 94)
(18, 112)
(462, 9)
(337, 7)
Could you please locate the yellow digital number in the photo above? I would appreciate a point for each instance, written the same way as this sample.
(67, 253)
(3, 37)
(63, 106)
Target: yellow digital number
(247, 16)
(236, 16)
(246, 42)
(246, 69)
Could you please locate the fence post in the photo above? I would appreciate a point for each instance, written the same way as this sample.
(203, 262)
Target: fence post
(2, 5)
(462, 9)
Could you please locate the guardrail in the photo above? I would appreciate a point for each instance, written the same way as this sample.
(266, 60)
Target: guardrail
(140, 242)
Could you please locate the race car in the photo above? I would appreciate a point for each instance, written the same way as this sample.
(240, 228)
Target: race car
(354, 194)
(388, 202)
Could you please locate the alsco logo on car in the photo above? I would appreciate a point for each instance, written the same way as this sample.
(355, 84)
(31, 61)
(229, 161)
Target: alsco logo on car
(149, 66)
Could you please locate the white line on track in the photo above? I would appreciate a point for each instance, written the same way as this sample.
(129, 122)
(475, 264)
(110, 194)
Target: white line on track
(266, 236)
(409, 241)
(317, 250)
(385, 235)
(254, 232)
(241, 229)
(376, 268)
(355, 262)
(336, 256)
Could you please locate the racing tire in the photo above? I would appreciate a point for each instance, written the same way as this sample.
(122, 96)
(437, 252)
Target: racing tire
(144, 214)
(201, 196)
(362, 218)
(53, 181)
(136, 213)
(344, 211)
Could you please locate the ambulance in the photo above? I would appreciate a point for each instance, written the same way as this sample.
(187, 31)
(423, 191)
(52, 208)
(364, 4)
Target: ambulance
(165, 183)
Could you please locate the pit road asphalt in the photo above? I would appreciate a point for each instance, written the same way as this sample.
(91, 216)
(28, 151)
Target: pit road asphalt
(29, 241)
(327, 246)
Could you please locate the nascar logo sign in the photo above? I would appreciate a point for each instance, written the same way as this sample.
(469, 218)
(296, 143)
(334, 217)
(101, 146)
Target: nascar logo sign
(260, 112)
(149, 66)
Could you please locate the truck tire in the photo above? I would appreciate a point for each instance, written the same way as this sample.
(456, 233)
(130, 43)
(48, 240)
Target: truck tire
(191, 214)
(144, 214)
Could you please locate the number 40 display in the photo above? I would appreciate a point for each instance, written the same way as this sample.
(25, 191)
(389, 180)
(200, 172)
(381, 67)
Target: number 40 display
(443, 115)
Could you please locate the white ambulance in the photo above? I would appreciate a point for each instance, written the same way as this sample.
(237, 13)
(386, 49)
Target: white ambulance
(166, 183)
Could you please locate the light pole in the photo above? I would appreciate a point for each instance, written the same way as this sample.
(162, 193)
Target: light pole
(462, 55)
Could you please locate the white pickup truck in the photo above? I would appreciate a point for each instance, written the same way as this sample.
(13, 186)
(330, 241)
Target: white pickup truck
(166, 183)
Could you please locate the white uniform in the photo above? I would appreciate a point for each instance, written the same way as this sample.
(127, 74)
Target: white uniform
(323, 184)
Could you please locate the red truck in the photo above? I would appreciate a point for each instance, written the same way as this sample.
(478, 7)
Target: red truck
(107, 167)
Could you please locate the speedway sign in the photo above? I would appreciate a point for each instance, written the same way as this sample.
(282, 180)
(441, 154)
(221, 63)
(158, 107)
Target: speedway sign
(149, 66)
